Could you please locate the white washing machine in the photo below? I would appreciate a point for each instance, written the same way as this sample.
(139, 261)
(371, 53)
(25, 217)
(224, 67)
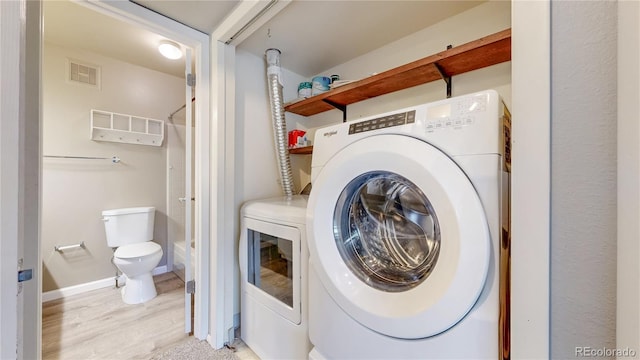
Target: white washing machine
(408, 233)
(273, 267)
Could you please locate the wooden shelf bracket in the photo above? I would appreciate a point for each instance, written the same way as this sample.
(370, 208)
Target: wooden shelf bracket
(445, 77)
(443, 74)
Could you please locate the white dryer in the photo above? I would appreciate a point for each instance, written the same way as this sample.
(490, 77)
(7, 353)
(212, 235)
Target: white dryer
(273, 266)
(407, 226)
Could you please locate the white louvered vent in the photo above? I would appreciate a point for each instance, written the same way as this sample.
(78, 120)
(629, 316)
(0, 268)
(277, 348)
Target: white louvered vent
(83, 73)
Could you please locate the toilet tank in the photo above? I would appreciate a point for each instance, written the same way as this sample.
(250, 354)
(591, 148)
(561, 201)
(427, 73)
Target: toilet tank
(128, 226)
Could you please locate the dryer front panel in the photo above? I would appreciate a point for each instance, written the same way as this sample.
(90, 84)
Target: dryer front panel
(270, 264)
(398, 236)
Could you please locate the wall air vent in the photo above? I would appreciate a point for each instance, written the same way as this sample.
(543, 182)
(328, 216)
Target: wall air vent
(78, 72)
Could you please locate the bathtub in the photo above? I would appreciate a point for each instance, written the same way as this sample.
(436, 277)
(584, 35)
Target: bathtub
(179, 258)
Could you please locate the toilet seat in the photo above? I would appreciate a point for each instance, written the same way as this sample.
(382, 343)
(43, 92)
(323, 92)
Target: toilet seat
(137, 250)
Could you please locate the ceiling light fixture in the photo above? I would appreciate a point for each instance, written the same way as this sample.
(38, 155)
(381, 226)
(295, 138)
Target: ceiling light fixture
(170, 50)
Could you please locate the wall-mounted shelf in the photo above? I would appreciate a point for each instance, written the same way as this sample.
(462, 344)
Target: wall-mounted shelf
(302, 150)
(489, 50)
(129, 129)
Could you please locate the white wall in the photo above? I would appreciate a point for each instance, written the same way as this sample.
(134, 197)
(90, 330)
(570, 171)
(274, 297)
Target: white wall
(257, 169)
(257, 172)
(255, 142)
(583, 176)
(76, 191)
(468, 26)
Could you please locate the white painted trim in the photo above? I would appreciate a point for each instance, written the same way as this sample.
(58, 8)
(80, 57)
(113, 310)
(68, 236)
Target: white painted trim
(531, 179)
(159, 270)
(152, 21)
(219, 173)
(224, 223)
(11, 25)
(76, 289)
(242, 15)
(32, 181)
(230, 251)
(204, 186)
(90, 286)
(628, 275)
(188, 231)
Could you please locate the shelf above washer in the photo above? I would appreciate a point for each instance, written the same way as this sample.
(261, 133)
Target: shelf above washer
(302, 150)
(486, 51)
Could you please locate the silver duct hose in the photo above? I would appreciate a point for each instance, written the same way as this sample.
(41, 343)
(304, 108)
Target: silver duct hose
(279, 124)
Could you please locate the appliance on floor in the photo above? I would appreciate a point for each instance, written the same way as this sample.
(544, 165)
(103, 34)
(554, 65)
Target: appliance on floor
(408, 233)
(130, 231)
(273, 266)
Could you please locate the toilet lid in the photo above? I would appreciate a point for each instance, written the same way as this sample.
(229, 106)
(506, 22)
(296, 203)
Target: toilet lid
(137, 250)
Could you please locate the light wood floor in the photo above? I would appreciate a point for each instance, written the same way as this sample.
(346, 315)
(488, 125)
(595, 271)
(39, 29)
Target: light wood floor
(98, 325)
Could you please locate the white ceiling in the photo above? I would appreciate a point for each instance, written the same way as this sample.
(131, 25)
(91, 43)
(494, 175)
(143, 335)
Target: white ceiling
(317, 35)
(313, 35)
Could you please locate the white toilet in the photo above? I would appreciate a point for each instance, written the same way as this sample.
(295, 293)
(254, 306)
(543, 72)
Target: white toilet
(130, 230)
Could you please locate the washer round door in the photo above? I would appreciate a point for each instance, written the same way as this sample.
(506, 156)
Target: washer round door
(398, 236)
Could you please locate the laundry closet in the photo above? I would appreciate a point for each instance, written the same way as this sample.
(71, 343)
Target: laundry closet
(256, 169)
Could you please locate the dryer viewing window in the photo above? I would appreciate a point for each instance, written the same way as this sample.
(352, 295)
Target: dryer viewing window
(270, 265)
(386, 231)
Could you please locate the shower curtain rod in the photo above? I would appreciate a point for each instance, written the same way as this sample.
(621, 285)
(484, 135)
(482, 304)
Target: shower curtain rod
(181, 107)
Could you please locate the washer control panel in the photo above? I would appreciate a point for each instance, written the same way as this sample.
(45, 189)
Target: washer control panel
(448, 122)
(456, 114)
(398, 119)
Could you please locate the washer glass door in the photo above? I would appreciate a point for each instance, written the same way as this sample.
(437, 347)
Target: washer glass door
(386, 231)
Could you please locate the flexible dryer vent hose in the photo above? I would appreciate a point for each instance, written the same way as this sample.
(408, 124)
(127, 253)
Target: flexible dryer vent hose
(279, 125)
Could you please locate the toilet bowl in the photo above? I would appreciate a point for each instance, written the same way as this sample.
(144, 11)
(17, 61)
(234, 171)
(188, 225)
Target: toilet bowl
(129, 231)
(136, 262)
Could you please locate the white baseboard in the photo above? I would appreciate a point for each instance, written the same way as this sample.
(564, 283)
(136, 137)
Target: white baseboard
(159, 270)
(90, 286)
(77, 289)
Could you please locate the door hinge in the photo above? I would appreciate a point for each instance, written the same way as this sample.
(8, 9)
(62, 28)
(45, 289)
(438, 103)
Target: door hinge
(191, 287)
(191, 80)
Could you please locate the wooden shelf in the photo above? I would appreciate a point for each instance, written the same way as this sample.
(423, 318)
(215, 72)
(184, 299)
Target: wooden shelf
(480, 53)
(302, 151)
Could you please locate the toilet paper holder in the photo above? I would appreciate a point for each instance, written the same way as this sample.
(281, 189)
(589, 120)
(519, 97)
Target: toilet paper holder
(62, 248)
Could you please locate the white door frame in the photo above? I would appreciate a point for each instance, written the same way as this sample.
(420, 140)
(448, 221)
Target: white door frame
(223, 98)
(628, 276)
(187, 196)
(243, 20)
(137, 15)
(156, 23)
(530, 179)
